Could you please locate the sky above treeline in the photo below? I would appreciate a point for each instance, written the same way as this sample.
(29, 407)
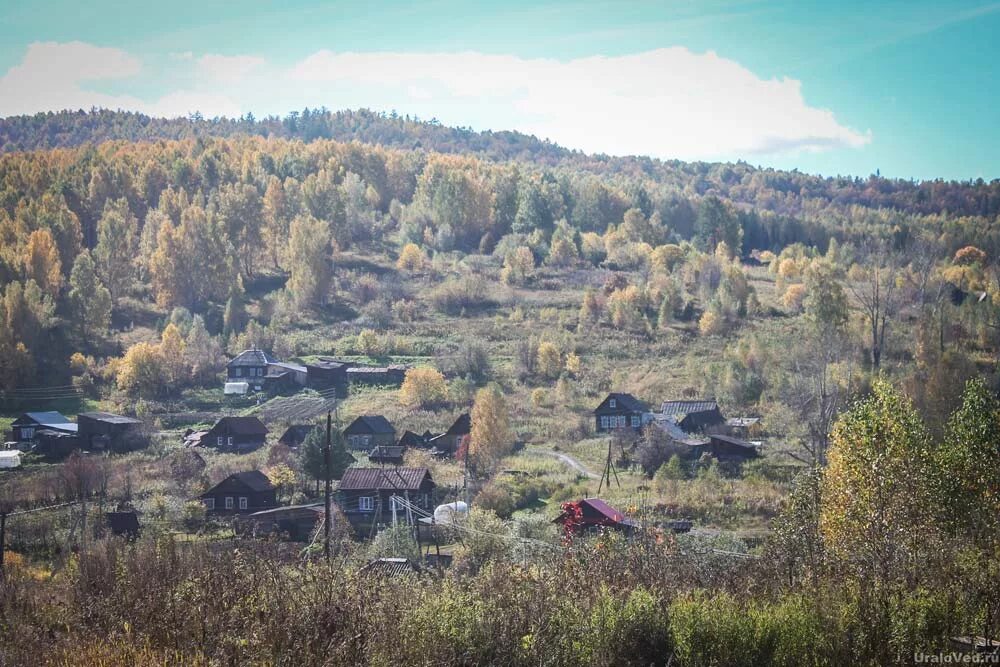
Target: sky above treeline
(906, 88)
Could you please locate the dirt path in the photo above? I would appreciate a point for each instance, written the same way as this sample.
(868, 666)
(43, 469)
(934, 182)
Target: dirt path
(568, 460)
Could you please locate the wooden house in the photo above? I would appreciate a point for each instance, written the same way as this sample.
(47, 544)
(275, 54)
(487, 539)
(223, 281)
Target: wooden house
(241, 493)
(297, 523)
(411, 439)
(24, 428)
(235, 434)
(249, 366)
(368, 431)
(621, 411)
(694, 416)
(326, 373)
(726, 448)
(592, 514)
(295, 435)
(450, 440)
(387, 455)
(390, 376)
(108, 432)
(367, 495)
(282, 375)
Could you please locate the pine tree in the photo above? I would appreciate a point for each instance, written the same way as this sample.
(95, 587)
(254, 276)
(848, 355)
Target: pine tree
(312, 454)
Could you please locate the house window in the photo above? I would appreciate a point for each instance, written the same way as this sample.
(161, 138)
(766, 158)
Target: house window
(27, 432)
(635, 421)
(353, 440)
(366, 503)
(239, 372)
(605, 422)
(613, 403)
(229, 441)
(365, 439)
(243, 502)
(210, 504)
(229, 502)
(620, 421)
(219, 441)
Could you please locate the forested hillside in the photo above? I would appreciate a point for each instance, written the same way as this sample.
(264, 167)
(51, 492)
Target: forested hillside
(852, 326)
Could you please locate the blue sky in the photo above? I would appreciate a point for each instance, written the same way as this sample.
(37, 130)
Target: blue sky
(908, 88)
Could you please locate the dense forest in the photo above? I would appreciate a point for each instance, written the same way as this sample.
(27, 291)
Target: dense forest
(857, 320)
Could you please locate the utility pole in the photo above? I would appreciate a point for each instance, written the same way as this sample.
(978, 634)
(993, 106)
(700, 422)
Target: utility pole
(609, 469)
(3, 536)
(326, 506)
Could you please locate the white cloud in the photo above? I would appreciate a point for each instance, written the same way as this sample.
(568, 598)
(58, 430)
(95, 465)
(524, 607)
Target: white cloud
(669, 103)
(52, 76)
(227, 69)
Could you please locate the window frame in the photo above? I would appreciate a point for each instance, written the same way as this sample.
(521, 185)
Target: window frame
(366, 504)
(230, 503)
(209, 503)
(244, 503)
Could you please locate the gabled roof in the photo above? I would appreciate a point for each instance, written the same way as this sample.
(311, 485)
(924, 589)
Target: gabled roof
(623, 400)
(373, 423)
(298, 368)
(53, 420)
(383, 479)
(297, 432)
(606, 510)
(462, 425)
(669, 426)
(109, 418)
(243, 425)
(739, 442)
(255, 480)
(252, 358)
(681, 408)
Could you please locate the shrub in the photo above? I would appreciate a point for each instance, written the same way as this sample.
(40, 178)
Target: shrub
(453, 296)
(423, 387)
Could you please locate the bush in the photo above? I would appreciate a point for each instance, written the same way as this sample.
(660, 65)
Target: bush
(496, 499)
(453, 296)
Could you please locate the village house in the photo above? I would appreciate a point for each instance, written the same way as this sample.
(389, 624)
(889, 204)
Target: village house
(295, 435)
(108, 432)
(387, 455)
(297, 523)
(694, 416)
(368, 431)
(326, 373)
(249, 366)
(390, 376)
(450, 440)
(620, 411)
(411, 439)
(241, 493)
(367, 496)
(726, 448)
(25, 428)
(592, 514)
(235, 434)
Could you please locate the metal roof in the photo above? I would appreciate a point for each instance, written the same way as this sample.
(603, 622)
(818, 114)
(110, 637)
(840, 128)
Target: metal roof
(383, 479)
(391, 567)
(243, 425)
(671, 408)
(109, 418)
(289, 366)
(51, 419)
(252, 358)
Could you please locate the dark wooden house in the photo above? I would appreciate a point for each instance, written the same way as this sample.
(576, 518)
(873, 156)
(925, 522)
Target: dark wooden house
(297, 523)
(326, 373)
(387, 455)
(411, 439)
(726, 448)
(592, 514)
(241, 493)
(249, 366)
(694, 416)
(236, 434)
(368, 431)
(391, 376)
(621, 411)
(25, 427)
(123, 524)
(109, 432)
(295, 435)
(450, 440)
(366, 495)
